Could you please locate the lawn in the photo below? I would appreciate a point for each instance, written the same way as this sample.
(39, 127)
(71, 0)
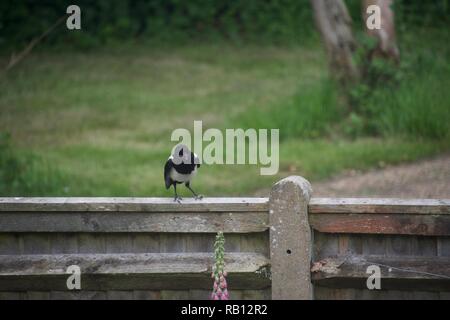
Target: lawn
(99, 123)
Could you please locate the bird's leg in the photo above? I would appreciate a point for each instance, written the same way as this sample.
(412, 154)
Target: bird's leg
(197, 196)
(177, 198)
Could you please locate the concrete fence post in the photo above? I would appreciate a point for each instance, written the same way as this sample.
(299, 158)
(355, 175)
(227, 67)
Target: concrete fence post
(290, 239)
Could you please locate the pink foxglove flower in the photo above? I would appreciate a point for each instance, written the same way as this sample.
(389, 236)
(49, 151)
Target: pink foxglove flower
(220, 291)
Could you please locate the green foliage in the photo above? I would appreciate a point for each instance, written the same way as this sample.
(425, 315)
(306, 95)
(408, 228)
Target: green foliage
(409, 13)
(25, 174)
(219, 254)
(409, 99)
(375, 71)
(422, 14)
(354, 125)
(173, 21)
(418, 108)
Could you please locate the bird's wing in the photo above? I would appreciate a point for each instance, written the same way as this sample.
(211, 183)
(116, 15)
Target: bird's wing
(167, 168)
(196, 160)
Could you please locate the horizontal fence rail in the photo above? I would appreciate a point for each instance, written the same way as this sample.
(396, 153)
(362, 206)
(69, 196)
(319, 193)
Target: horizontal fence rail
(230, 215)
(154, 244)
(132, 204)
(424, 273)
(146, 271)
(334, 215)
(381, 216)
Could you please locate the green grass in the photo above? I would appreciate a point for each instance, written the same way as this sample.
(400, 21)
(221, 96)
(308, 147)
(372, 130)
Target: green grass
(419, 107)
(411, 100)
(99, 123)
(309, 113)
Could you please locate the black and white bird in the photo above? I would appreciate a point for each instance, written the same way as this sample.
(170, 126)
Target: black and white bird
(181, 167)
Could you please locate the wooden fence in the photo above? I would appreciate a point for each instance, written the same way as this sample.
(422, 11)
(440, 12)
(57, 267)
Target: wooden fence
(287, 246)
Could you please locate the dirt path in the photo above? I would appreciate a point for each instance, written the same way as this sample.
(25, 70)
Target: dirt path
(424, 179)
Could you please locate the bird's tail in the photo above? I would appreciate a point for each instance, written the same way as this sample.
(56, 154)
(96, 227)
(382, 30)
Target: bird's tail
(168, 184)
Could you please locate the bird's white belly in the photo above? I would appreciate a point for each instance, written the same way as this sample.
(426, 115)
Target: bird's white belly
(179, 177)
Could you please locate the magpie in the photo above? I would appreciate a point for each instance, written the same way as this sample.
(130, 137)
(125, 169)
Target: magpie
(181, 167)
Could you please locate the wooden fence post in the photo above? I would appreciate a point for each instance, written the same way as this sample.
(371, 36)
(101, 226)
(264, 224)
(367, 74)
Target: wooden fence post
(290, 239)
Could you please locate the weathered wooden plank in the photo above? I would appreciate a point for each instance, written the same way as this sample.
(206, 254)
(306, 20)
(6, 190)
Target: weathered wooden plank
(325, 245)
(373, 244)
(98, 295)
(316, 205)
(396, 295)
(11, 295)
(36, 243)
(172, 242)
(367, 294)
(147, 271)
(230, 222)
(427, 225)
(256, 295)
(146, 295)
(91, 243)
(424, 246)
(64, 243)
(131, 281)
(38, 295)
(118, 243)
(264, 294)
(345, 294)
(145, 242)
(422, 217)
(399, 273)
(444, 295)
(255, 242)
(232, 242)
(199, 242)
(174, 294)
(399, 246)
(10, 243)
(200, 294)
(228, 204)
(443, 246)
(424, 295)
(77, 295)
(127, 262)
(235, 294)
(379, 206)
(119, 295)
(350, 244)
(324, 293)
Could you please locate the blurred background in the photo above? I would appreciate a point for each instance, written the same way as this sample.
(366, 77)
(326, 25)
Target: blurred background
(89, 112)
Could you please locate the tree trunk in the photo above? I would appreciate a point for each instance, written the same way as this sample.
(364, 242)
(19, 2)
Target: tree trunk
(386, 46)
(334, 23)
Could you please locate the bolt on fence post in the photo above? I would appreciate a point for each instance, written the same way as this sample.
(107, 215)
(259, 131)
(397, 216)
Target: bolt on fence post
(290, 239)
